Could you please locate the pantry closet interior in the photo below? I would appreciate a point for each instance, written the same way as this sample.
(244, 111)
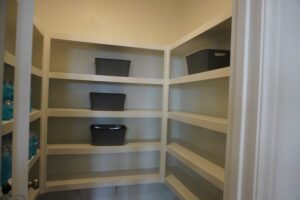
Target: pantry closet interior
(175, 145)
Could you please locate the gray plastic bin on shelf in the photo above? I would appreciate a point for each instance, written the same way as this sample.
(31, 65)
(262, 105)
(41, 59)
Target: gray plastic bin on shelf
(108, 134)
(112, 67)
(207, 59)
(107, 101)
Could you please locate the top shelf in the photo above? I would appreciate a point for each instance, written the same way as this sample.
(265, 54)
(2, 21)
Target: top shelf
(218, 27)
(11, 60)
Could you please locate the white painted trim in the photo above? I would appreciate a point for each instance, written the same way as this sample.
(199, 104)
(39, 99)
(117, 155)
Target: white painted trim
(253, 93)
(22, 99)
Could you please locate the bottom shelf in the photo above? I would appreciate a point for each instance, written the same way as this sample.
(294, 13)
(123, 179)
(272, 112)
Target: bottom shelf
(179, 188)
(33, 194)
(104, 179)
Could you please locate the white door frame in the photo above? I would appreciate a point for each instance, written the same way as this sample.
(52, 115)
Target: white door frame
(22, 99)
(258, 80)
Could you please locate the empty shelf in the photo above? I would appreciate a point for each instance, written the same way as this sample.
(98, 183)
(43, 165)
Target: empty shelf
(209, 75)
(33, 160)
(65, 112)
(208, 170)
(72, 149)
(179, 188)
(7, 126)
(101, 78)
(11, 60)
(107, 181)
(212, 123)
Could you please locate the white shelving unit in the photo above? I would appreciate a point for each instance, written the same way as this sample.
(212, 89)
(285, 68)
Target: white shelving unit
(203, 167)
(159, 94)
(199, 102)
(101, 78)
(212, 123)
(34, 159)
(204, 76)
(62, 112)
(109, 181)
(7, 125)
(72, 149)
(179, 188)
(11, 60)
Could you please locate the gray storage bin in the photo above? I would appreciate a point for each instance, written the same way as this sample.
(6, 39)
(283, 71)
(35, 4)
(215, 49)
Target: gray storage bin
(107, 101)
(112, 67)
(207, 59)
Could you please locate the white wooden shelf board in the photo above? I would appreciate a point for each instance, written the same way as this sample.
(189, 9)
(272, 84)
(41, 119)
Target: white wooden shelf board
(179, 188)
(33, 160)
(208, 170)
(208, 122)
(7, 125)
(204, 76)
(95, 182)
(11, 60)
(33, 194)
(72, 149)
(101, 78)
(62, 112)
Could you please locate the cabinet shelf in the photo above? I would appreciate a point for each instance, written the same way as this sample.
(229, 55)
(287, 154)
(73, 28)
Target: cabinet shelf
(101, 78)
(66, 112)
(212, 123)
(33, 160)
(33, 194)
(76, 149)
(179, 188)
(204, 76)
(109, 179)
(11, 60)
(7, 125)
(208, 170)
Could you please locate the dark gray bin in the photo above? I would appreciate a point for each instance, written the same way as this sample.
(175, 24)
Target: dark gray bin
(108, 134)
(112, 67)
(107, 101)
(207, 59)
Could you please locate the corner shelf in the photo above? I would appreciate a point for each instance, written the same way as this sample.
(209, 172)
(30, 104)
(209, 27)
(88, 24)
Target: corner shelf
(7, 125)
(33, 160)
(204, 76)
(105, 181)
(11, 60)
(77, 149)
(101, 78)
(212, 123)
(179, 188)
(66, 112)
(33, 194)
(208, 170)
